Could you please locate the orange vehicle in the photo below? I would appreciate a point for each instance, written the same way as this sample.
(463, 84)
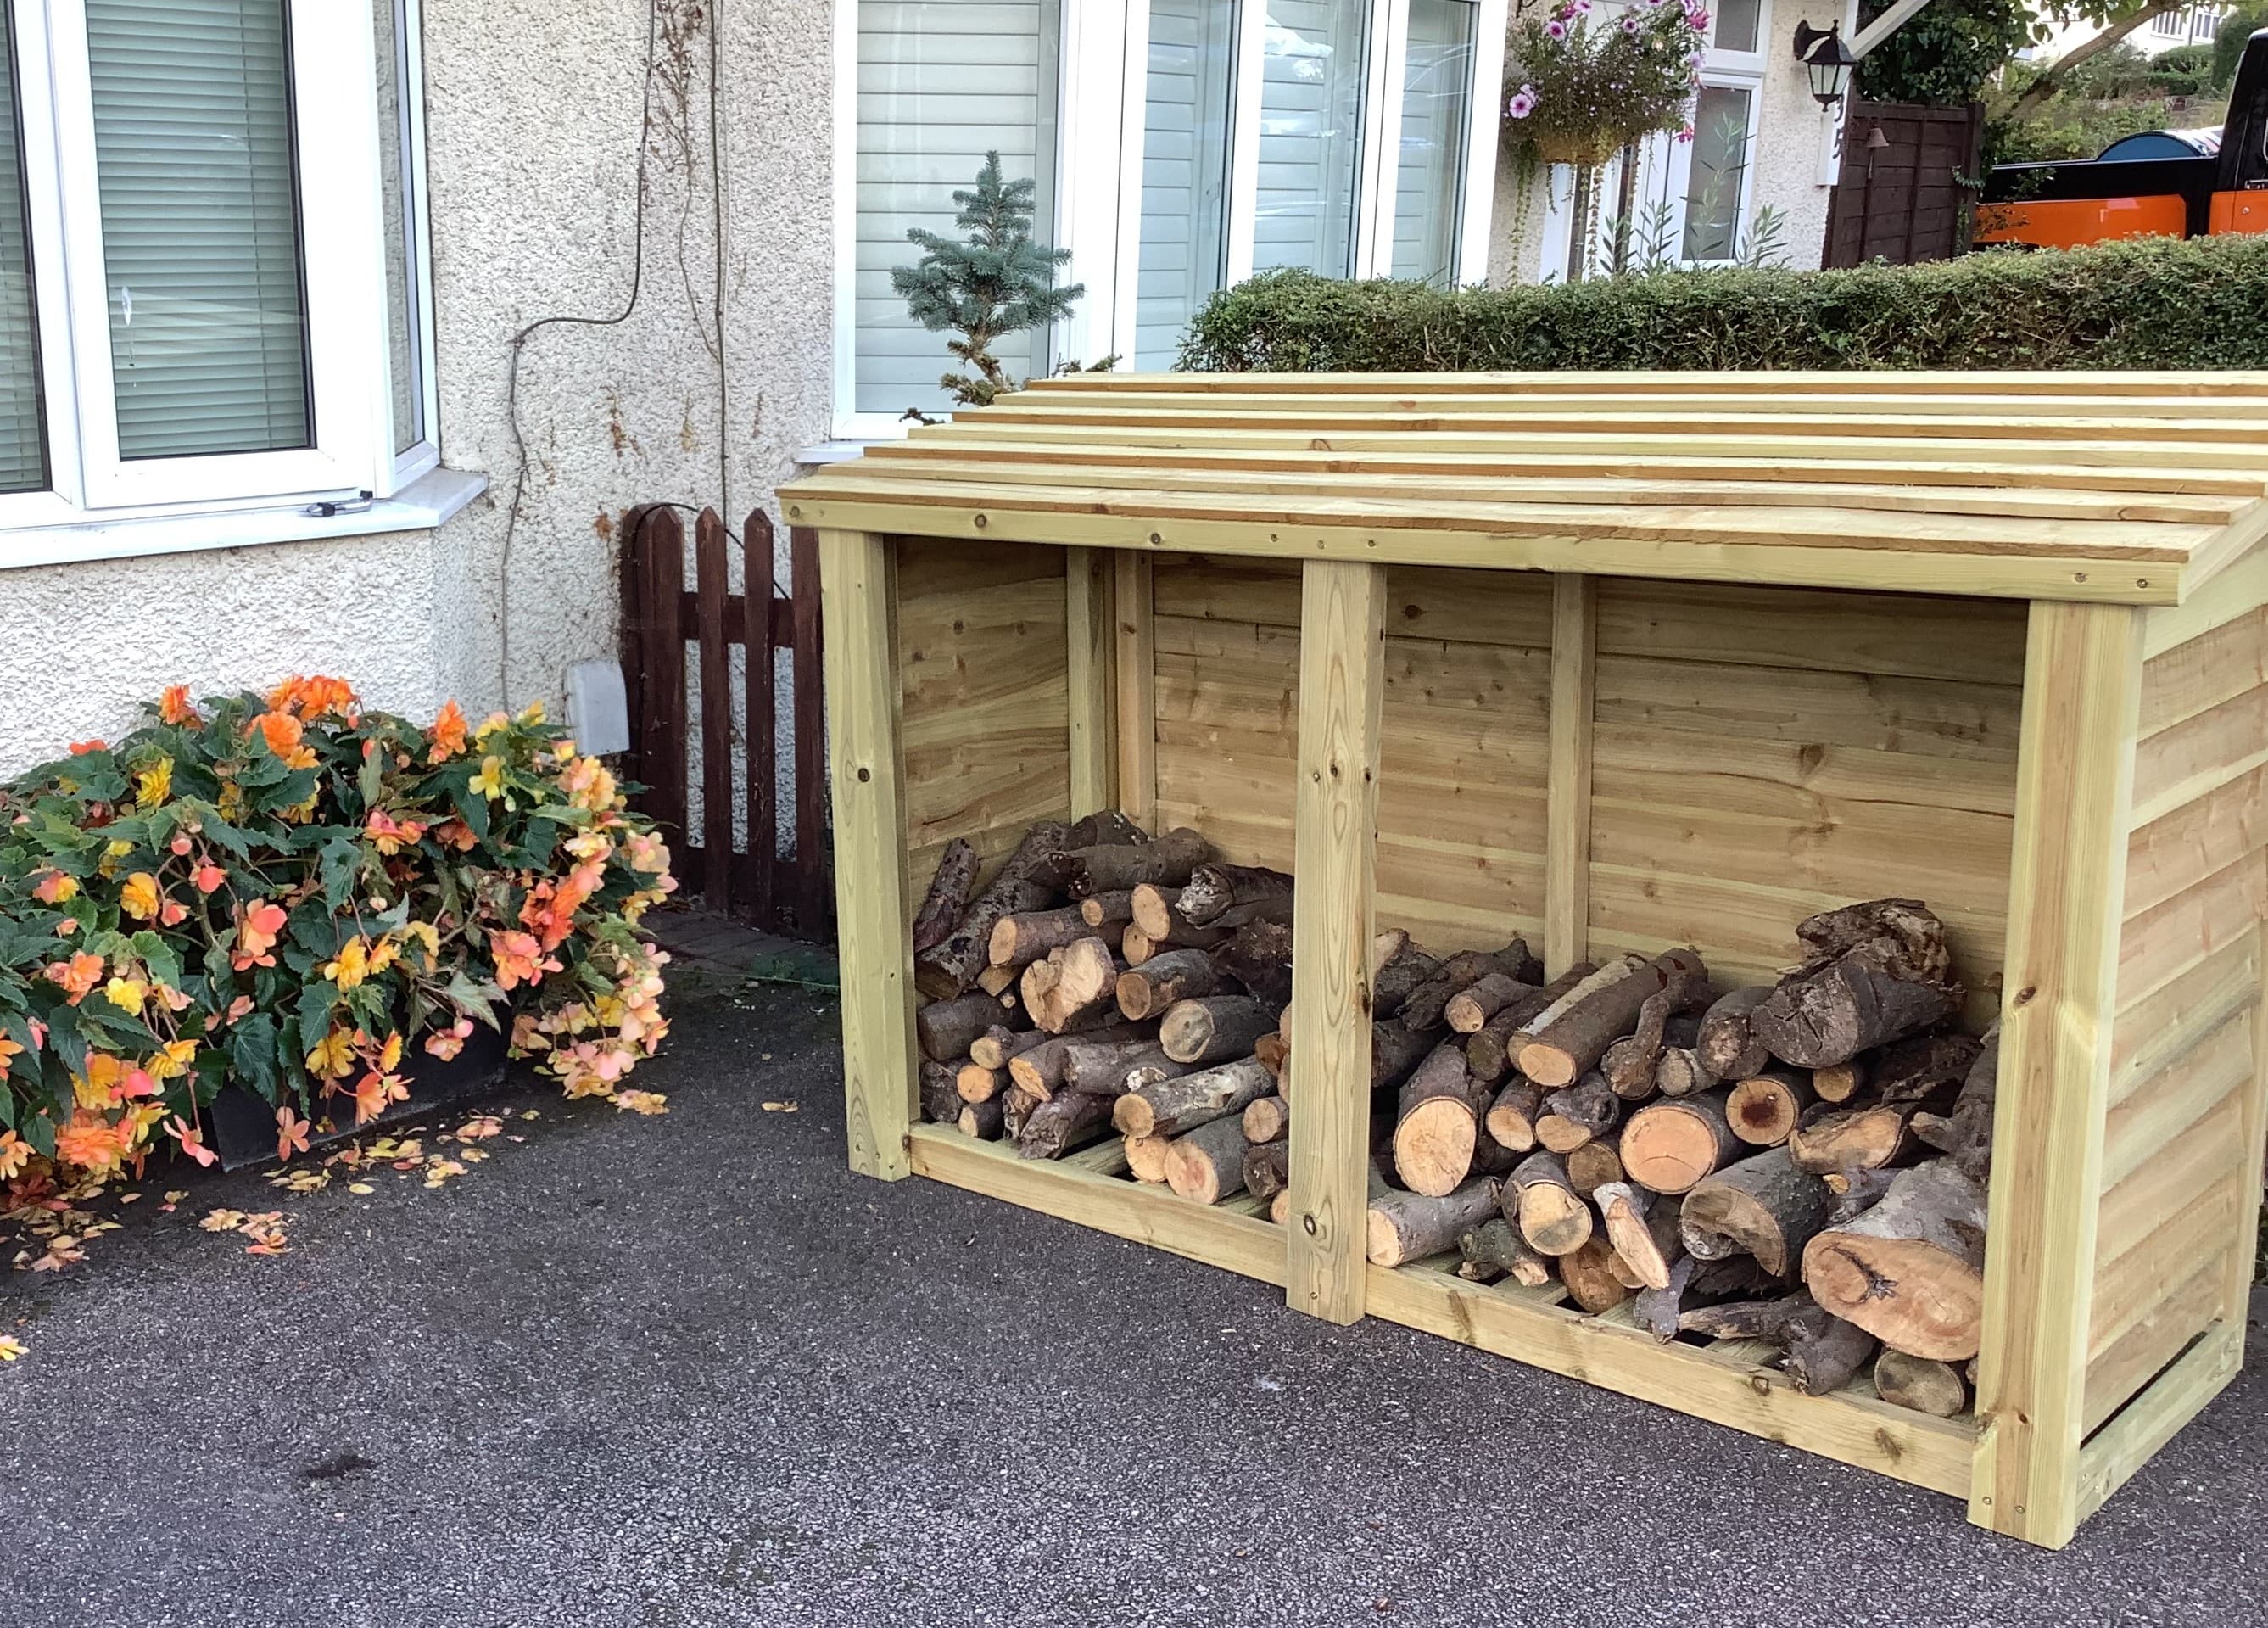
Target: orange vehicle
(2216, 186)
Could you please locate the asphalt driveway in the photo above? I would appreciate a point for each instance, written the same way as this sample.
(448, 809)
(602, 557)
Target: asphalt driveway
(688, 1371)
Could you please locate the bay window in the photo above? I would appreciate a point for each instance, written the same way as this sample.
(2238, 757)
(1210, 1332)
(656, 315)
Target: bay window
(213, 263)
(1178, 146)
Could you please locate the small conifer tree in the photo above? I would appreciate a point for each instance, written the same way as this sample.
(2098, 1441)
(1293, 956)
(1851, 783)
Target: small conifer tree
(993, 282)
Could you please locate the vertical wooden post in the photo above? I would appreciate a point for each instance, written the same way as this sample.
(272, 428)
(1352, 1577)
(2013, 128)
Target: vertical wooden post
(760, 729)
(1091, 629)
(1342, 682)
(662, 748)
(876, 955)
(1136, 682)
(2074, 781)
(713, 591)
(1567, 785)
(811, 851)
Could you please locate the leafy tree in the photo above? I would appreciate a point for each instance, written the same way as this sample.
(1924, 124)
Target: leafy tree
(2229, 42)
(994, 282)
(1945, 54)
(2114, 20)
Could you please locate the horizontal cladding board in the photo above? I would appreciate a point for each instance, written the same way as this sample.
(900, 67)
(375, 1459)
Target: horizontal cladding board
(1889, 634)
(2150, 1033)
(2161, 1187)
(2186, 845)
(1470, 607)
(1925, 718)
(2167, 940)
(2158, 1109)
(2188, 759)
(2216, 666)
(2163, 1331)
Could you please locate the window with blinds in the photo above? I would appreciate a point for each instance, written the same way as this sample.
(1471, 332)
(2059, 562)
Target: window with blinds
(1311, 93)
(1185, 158)
(200, 226)
(23, 447)
(1436, 115)
(1717, 181)
(941, 83)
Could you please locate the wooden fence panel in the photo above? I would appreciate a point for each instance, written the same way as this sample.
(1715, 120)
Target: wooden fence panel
(747, 876)
(1906, 185)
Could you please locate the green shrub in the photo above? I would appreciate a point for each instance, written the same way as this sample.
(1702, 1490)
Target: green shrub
(2229, 42)
(2149, 303)
(2186, 70)
(2064, 128)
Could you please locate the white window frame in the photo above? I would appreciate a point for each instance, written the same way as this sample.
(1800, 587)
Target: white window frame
(338, 153)
(1097, 187)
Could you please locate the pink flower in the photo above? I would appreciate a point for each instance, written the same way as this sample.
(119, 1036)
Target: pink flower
(1522, 103)
(1685, 135)
(1699, 19)
(1629, 22)
(1556, 29)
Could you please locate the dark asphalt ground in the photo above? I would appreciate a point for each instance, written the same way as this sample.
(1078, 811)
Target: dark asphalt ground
(688, 1371)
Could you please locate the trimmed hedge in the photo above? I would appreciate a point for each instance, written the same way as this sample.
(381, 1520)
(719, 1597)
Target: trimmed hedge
(2146, 303)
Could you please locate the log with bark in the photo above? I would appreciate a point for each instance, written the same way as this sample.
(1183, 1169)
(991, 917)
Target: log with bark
(1267, 1120)
(1067, 1120)
(1425, 1004)
(1176, 1106)
(1267, 1168)
(1764, 1207)
(1672, 1142)
(1880, 971)
(1273, 1050)
(1871, 1137)
(1109, 867)
(1593, 1166)
(1765, 1107)
(1213, 887)
(1407, 1227)
(1583, 1112)
(1496, 1243)
(1512, 1116)
(1966, 1131)
(1856, 1192)
(1213, 1029)
(1589, 1272)
(983, 1121)
(1073, 988)
(1206, 1164)
(941, 1097)
(1469, 1009)
(1016, 1106)
(1146, 990)
(1396, 1050)
(1745, 1320)
(1110, 1069)
(998, 1045)
(1400, 970)
(1630, 1063)
(1921, 1383)
(1258, 956)
(1544, 1203)
(1106, 912)
(1492, 1046)
(945, 1030)
(1909, 1270)
(1000, 984)
(1839, 1082)
(974, 1083)
(1825, 1352)
(1151, 907)
(949, 967)
(1573, 1034)
(1438, 1124)
(1038, 1070)
(1139, 946)
(946, 901)
(1727, 1048)
(1145, 1158)
(1643, 1228)
(1020, 939)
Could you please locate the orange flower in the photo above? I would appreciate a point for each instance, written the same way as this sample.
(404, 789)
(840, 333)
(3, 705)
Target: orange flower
(170, 914)
(290, 1133)
(448, 734)
(80, 748)
(391, 835)
(457, 835)
(520, 959)
(257, 925)
(191, 1139)
(91, 1143)
(15, 1154)
(208, 878)
(57, 888)
(448, 1042)
(174, 706)
(79, 975)
(373, 1091)
(281, 731)
(138, 898)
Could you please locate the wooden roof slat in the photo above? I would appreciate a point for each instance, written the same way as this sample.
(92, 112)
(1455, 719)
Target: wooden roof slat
(1530, 403)
(1887, 381)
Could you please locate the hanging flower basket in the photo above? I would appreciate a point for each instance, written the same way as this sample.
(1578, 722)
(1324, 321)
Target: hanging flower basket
(1582, 149)
(1581, 83)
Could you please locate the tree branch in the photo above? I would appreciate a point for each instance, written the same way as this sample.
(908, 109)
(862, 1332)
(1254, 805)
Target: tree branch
(2052, 80)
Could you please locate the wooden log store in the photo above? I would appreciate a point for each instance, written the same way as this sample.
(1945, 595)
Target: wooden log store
(1625, 664)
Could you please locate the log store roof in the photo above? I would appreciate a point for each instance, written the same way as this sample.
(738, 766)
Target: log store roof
(2129, 488)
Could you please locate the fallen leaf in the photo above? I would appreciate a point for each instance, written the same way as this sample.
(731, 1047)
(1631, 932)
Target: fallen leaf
(647, 1102)
(480, 1128)
(530, 1114)
(472, 1156)
(12, 1348)
(129, 1198)
(440, 1170)
(223, 1220)
(364, 1188)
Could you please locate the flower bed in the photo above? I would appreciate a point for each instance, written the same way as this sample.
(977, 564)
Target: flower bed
(300, 898)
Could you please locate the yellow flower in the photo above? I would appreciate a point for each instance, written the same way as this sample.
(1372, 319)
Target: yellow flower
(154, 783)
(489, 725)
(173, 1061)
(383, 955)
(127, 994)
(231, 801)
(489, 782)
(353, 966)
(533, 713)
(333, 1056)
(138, 898)
(425, 934)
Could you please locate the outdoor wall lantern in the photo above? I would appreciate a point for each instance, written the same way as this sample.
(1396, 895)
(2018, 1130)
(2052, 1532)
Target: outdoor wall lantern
(1830, 60)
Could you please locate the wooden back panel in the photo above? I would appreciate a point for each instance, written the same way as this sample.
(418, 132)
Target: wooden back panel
(985, 719)
(1760, 753)
(1465, 727)
(2181, 1141)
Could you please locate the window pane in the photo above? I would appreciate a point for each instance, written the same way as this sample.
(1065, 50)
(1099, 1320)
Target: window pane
(396, 131)
(1184, 169)
(1310, 134)
(1436, 94)
(200, 224)
(23, 450)
(940, 84)
(1736, 24)
(1712, 190)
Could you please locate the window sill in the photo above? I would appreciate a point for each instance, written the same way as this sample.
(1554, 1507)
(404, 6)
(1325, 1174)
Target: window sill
(427, 501)
(834, 452)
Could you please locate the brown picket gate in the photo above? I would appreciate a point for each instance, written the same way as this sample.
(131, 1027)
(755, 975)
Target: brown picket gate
(673, 634)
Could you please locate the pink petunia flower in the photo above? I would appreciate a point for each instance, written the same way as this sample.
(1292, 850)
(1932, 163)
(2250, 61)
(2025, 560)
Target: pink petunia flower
(1522, 103)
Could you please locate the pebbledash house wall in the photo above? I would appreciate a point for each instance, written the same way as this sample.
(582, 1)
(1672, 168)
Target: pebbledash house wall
(533, 123)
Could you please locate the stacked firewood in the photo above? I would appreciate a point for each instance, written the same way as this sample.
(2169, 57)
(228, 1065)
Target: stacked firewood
(1103, 983)
(1800, 1163)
